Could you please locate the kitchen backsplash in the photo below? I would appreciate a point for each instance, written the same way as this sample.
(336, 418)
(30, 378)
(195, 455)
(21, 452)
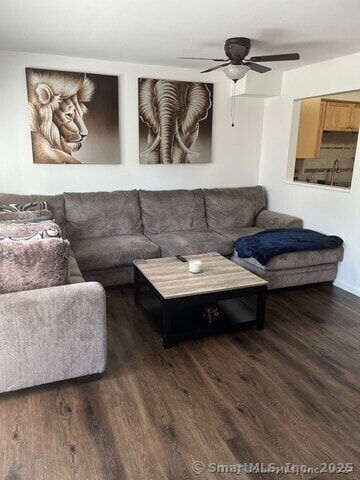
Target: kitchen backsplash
(335, 146)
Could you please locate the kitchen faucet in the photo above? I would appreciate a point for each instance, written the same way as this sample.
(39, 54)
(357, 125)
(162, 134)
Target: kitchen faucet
(336, 168)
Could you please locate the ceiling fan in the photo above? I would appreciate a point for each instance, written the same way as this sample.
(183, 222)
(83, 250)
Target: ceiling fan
(236, 66)
(236, 49)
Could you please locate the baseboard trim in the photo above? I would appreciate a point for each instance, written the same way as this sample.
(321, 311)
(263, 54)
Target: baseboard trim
(347, 287)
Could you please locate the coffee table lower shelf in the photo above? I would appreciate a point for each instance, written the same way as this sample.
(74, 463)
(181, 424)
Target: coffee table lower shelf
(189, 322)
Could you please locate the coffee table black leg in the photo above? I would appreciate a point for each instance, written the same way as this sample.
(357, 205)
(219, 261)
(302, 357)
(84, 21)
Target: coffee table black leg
(136, 286)
(260, 310)
(167, 340)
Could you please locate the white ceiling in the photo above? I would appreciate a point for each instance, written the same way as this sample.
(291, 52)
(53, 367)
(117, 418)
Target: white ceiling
(159, 31)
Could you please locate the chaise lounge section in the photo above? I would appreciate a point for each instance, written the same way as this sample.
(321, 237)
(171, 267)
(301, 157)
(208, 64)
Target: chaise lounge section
(298, 268)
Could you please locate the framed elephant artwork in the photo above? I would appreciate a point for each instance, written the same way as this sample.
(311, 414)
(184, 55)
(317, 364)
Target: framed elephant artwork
(175, 121)
(74, 117)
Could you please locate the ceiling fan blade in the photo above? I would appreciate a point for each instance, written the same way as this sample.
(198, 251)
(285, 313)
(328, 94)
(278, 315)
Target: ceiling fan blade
(215, 68)
(202, 58)
(257, 68)
(276, 58)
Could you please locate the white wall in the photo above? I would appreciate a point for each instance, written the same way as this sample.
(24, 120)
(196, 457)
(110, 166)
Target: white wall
(235, 151)
(254, 151)
(328, 210)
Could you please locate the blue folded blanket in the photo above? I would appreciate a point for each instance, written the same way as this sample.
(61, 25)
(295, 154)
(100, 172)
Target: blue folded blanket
(269, 243)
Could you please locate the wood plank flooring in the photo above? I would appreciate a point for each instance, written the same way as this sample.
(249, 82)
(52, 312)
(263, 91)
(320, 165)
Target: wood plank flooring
(287, 394)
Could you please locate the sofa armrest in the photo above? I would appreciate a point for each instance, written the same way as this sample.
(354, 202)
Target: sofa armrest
(268, 219)
(52, 334)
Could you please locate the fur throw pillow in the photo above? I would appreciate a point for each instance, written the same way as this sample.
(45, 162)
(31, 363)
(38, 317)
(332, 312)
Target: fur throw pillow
(33, 215)
(33, 264)
(27, 230)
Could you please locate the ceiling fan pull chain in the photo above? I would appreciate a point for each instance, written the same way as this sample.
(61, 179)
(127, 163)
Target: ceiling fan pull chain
(233, 104)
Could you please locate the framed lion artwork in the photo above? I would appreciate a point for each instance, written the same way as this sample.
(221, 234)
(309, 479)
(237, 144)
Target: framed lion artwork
(74, 117)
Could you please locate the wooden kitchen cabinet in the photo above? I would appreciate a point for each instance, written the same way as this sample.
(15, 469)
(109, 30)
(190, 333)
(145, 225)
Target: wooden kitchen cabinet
(342, 116)
(318, 114)
(312, 115)
(355, 118)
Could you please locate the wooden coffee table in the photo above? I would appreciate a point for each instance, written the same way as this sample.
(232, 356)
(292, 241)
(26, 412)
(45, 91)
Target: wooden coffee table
(173, 292)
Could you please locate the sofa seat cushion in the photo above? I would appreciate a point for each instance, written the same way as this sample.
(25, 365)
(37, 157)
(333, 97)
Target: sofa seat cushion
(297, 259)
(102, 214)
(192, 242)
(233, 207)
(235, 233)
(111, 276)
(172, 210)
(108, 252)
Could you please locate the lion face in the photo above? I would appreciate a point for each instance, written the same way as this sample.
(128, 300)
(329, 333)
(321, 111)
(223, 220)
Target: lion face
(68, 118)
(56, 103)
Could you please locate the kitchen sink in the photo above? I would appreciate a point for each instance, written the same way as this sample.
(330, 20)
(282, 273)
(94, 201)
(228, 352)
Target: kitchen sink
(335, 184)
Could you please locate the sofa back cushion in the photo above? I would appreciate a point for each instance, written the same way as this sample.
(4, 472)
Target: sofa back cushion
(55, 203)
(102, 214)
(233, 207)
(172, 210)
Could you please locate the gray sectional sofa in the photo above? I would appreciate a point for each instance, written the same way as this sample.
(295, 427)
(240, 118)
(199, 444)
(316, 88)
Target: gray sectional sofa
(108, 230)
(64, 328)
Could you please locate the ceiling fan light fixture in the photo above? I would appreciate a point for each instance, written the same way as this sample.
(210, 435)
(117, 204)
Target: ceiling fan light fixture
(236, 72)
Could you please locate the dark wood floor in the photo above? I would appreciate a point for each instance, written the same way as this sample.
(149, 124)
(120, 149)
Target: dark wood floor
(287, 394)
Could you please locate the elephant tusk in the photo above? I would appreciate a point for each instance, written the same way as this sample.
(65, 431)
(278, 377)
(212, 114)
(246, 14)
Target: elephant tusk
(184, 147)
(152, 146)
